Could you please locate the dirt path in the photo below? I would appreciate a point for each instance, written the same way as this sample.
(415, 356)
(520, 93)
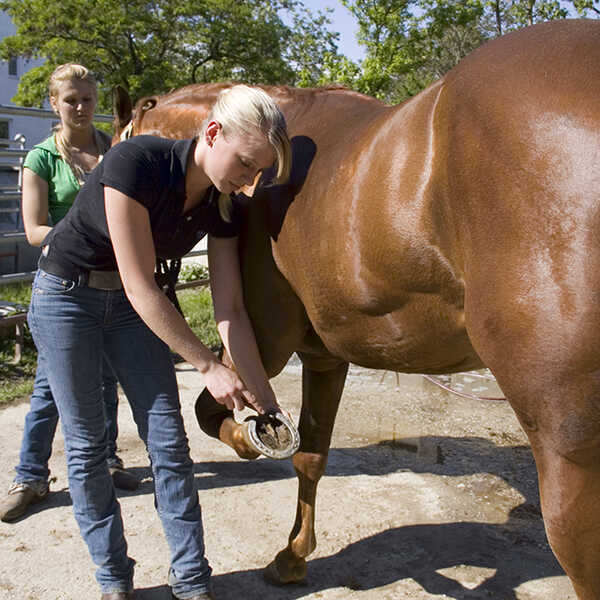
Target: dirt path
(427, 495)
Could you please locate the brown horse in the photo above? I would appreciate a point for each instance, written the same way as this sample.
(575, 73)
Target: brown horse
(458, 229)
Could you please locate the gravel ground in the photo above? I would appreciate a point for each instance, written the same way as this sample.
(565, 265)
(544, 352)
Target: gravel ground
(427, 495)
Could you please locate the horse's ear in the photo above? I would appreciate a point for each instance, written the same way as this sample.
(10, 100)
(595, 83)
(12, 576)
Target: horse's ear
(122, 106)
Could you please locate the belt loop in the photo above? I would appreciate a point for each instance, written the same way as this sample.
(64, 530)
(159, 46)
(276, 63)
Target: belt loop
(82, 280)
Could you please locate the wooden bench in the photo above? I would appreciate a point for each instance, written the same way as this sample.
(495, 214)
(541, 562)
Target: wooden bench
(14, 315)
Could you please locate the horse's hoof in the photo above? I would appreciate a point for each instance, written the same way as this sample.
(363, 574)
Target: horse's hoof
(275, 577)
(273, 435)
(243, 448)
(271, 574)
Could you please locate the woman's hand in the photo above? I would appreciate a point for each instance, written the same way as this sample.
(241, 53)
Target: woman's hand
(228, 389)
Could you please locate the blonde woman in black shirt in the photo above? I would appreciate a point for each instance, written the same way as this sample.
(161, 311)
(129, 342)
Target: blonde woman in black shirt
(95, 293)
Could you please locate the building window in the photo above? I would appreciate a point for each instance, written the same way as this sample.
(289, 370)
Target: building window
(4, 133)
(12, 66)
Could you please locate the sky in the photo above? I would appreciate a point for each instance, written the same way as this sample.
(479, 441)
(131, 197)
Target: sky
(344, 23)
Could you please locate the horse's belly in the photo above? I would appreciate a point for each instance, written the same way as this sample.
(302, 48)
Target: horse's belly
(424, 336)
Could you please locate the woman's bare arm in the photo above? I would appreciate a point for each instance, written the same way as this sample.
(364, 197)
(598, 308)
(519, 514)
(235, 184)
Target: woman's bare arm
(233, 323)
(131, 236)
(34, 207)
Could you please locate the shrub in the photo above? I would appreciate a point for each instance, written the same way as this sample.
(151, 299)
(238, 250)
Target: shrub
(193, 272)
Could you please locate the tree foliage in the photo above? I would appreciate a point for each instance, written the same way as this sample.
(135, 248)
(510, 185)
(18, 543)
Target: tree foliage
(151, 46)
(587, 8)
(410, 43)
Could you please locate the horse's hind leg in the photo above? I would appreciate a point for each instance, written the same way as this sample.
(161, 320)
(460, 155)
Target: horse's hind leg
(566, 445)
(322, 387)
(552, 380)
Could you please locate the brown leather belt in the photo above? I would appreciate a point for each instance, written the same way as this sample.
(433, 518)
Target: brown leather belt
(105, 280)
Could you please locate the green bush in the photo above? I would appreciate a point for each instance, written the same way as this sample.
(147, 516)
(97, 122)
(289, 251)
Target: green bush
(16, 292)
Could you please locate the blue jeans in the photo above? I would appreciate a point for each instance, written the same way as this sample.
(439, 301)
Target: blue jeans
(41, 420)
(73, 328)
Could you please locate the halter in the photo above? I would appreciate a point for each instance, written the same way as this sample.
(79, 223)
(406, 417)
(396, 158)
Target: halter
(127, 132)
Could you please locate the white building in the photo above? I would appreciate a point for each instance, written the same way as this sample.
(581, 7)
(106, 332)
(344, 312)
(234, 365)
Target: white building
(35, 129)
(17, 255)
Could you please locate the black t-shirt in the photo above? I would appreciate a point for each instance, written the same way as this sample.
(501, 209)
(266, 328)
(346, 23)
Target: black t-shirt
(150, 170)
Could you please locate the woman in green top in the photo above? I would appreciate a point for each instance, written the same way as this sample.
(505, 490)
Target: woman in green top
(53, 173)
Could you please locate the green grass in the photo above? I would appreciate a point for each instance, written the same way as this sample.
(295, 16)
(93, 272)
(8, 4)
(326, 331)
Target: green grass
(16, 381)
(196, 304)
(16, 292)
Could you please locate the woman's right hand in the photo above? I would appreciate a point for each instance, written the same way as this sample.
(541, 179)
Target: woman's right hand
(227, 388)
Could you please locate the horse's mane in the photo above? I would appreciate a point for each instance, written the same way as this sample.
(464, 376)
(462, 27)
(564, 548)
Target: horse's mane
(206, 93)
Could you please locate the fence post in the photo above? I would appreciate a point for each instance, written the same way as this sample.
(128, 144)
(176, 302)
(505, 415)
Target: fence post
(20, 138)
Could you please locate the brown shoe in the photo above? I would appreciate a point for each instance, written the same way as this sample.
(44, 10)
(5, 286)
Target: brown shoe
(20, 496)
(117, 596)
(123, 479)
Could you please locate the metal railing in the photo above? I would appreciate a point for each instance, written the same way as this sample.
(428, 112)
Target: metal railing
(29, 275)
(43, 113)
(10, 195)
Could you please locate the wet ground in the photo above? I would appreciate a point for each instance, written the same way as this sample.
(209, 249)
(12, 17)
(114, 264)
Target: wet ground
(428, 494)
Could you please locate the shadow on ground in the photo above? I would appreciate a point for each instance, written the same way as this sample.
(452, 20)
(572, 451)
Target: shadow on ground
(419, 552)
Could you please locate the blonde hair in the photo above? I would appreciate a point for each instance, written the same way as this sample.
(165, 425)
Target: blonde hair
(69, 72)
(241, 111)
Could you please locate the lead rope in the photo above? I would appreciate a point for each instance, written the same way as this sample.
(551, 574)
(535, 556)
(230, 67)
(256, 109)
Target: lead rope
(166, 276)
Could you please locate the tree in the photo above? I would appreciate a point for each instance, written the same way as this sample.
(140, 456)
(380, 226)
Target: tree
(152, 46)
(310, 46)
(411, 43)
(585, 8)
(516, 14)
